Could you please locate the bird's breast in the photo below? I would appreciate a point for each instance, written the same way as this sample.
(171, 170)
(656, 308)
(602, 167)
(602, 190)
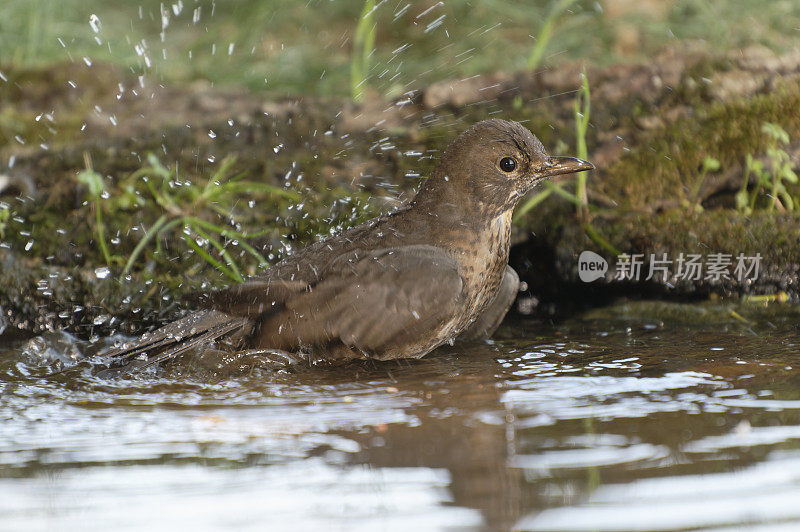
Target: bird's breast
(483, 256)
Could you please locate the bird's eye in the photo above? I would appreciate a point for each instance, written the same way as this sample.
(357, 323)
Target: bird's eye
(508, 164)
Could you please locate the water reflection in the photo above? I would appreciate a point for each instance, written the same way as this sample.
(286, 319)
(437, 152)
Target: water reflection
(628, 420)
(764, 492)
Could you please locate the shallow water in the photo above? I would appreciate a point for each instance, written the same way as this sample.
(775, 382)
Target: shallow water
(636, 417)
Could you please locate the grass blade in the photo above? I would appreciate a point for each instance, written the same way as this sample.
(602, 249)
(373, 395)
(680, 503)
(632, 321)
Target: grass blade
(531, 203)
(142, 243)
(208, 258)
(546, 32)
(237, 275)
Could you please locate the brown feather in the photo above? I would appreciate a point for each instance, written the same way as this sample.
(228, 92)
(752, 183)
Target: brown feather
(370, 301)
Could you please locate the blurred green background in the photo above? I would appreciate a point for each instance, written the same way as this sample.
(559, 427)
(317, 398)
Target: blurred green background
(305, 47)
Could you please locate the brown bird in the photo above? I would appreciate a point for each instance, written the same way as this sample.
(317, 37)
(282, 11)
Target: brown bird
(397, 286)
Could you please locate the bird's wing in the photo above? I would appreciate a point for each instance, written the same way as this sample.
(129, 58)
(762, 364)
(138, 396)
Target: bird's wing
(364, 300)
(372, 300)
(251, 298)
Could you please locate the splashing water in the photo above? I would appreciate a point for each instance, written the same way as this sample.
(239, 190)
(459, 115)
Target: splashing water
(624, 423)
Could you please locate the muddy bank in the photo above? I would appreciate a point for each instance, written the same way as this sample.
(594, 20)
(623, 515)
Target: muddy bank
(651, 128)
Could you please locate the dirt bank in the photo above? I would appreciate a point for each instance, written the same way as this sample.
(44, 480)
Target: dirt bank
(652, 127)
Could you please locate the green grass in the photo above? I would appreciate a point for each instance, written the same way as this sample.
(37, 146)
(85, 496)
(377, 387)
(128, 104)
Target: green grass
(710, 165)
(774, 180)
(184, 204)
(97, 190)
(363, 47)
(545, 32)
(307, 47)
(5, 215)
(203, 213)
(582, 112)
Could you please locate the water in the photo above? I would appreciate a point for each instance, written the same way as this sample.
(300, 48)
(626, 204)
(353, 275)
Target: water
(636, 417)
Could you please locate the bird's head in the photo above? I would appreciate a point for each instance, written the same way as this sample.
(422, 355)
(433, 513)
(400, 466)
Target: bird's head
(493, 164)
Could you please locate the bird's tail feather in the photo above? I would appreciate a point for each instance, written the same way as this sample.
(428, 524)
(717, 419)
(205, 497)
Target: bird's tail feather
(174, 339)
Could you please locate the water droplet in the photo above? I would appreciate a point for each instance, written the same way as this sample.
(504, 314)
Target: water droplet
(211, 134)
(435, 24)
(87, 61)
(94, 22)
(164, 20)
(401, 12)
(102, 272)
(431, 8)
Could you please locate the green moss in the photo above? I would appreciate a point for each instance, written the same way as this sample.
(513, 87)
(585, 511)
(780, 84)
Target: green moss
(665, 164)
(722, 231)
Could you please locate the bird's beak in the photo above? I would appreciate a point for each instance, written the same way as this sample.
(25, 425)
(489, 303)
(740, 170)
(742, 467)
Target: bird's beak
(562, 165)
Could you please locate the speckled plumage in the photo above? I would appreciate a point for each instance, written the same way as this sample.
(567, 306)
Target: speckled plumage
(397, 286)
